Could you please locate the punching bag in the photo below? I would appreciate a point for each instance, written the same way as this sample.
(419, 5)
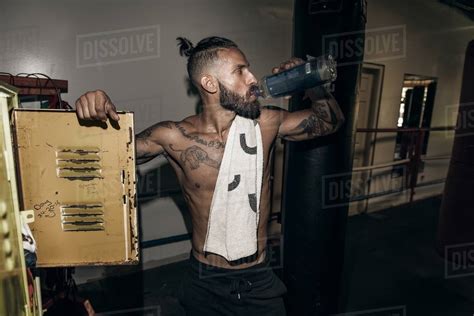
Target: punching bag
(316, 188)
(456, 219)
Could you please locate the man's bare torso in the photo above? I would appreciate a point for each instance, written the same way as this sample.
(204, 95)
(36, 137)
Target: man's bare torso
(195, 155)
(195, 146)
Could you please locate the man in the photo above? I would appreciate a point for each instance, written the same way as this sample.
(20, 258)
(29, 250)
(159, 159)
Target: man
(195, 148)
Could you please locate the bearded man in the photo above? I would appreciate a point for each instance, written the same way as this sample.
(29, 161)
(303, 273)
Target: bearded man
(222, 157)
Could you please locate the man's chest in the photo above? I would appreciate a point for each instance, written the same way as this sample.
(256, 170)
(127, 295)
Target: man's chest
(201, 151)
(198, 157)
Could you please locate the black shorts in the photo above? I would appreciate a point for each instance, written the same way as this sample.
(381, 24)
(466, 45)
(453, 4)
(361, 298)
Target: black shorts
(209, 290)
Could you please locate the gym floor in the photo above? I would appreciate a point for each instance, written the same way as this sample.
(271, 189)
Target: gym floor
(390, 261)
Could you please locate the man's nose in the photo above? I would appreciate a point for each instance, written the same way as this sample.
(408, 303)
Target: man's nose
(251, 80)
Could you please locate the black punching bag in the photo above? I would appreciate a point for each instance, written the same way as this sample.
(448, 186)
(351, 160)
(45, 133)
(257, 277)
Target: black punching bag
(314, 212)
(456, 219)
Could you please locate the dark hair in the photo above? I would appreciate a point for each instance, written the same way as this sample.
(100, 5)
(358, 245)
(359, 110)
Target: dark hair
(205, 51)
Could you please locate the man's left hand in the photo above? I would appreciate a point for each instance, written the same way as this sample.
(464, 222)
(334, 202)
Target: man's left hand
(288, 64)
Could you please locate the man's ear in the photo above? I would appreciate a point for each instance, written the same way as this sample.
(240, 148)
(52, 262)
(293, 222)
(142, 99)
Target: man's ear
(209, 83)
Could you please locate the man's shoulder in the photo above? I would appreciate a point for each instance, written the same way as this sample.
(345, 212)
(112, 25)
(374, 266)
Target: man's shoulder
(189, 121)
(178, 129)
(272, 111)
(271, 114)
(173, 126)
(185, 126)
(160, 132)
(272, 108)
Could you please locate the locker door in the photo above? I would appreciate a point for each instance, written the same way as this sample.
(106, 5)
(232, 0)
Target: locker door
(13, 285)
(80, 182)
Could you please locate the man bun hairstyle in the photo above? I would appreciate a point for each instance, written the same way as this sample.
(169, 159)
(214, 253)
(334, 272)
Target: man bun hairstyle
(205, 52)
(185, 46)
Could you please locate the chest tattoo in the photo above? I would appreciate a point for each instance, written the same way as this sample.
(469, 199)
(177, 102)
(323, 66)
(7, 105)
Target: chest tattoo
(195, 156)
(213, 143)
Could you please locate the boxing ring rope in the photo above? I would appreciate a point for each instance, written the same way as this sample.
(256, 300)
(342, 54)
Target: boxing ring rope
(383, 165)
(415, 158)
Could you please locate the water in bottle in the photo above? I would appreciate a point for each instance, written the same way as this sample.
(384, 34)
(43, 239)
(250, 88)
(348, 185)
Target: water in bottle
(314, 72)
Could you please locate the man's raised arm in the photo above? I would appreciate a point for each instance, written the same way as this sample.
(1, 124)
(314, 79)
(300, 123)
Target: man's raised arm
(323, 118)
(96, 105)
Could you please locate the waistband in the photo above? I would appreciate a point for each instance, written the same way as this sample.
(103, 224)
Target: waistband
(207, 269)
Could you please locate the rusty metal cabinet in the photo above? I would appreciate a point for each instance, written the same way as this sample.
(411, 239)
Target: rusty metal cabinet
(14, 297)
(80, 182)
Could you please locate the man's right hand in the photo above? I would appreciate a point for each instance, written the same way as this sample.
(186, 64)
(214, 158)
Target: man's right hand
(96, 105)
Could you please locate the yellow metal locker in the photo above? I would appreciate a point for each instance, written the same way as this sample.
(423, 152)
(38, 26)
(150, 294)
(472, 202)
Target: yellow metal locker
(13, 284)
(80, 182)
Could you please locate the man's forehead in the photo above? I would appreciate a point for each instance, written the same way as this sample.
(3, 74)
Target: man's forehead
(233, 57)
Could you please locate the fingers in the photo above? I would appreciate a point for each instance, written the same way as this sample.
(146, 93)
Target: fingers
(96, 105)
(111, 110)
(85, 107)
(79, 112)
(91, 106)
(100, 110)
(293, 62)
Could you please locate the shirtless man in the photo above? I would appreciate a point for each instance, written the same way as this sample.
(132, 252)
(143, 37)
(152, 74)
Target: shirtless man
(194, 148)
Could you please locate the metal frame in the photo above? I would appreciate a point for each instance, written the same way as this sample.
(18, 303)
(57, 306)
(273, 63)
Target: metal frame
(412, 163)
(9, 101)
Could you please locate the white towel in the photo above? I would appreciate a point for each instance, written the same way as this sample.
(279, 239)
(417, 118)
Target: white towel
(234, 213)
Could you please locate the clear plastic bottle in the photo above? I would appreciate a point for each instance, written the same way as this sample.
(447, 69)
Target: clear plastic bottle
(315, 72)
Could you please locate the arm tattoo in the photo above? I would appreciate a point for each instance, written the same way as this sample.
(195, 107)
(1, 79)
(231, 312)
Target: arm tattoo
(197, 139)
(313, 126)
(325, 112)
(326, 116)
(319, 122)
(322, 111)
(196, 156)
(325, 105)
(167, 125)
(144, 144)
(147, 132)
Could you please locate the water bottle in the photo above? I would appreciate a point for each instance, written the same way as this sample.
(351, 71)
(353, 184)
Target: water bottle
(314, 72)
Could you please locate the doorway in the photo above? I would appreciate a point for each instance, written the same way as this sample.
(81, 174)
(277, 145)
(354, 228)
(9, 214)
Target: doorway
(416, 109)
(370, 91)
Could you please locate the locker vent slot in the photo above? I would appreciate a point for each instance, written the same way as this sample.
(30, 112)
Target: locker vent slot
(82, 217)
(78, 163)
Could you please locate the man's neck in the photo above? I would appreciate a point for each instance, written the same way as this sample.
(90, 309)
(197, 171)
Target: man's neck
(215, 119)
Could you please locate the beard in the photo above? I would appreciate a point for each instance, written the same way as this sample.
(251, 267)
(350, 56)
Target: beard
(239, 104)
